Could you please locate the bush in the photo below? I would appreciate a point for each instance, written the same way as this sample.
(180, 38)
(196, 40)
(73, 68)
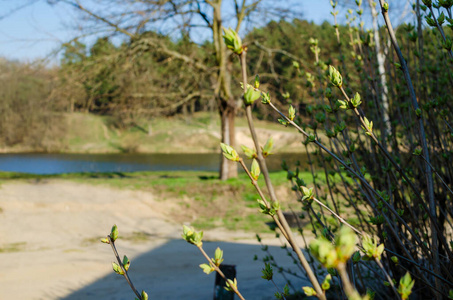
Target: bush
(384, 149)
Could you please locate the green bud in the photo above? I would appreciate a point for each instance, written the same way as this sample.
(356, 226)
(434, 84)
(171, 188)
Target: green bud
(117, 269)
(286, 95)
(229, 152)
(328, 92)
(309, 291)
(368, 126)
(267, 272)
(418, 112)
(343, 104)
(251, 95)
(105, 240)
(283, 122)
(394, 259)
(371, 248)
(417, 151)
(267, 150)
(427, 2)
(126, 263)
(232, 41)
(405, 286)
(144, 295)
(250, 153)
(446, 3)
(326, 283)
(307, 194)
(356, 100)
(345, 244)
(265, 98)
(291, 113)
(430, 21)
(230, 284)
(257, 81)
(385, 6)
(218, 257)
(255, 170)
(447, 44)
(191, 236)
(441, 19)
(114, 233)
(335, 77)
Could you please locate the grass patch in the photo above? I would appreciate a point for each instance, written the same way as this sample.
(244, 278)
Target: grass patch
(13, 247)
(200, 195)
(137, 237)
(91, 241)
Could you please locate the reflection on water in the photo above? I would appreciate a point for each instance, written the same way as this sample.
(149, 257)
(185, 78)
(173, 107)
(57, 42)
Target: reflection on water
(72, 163)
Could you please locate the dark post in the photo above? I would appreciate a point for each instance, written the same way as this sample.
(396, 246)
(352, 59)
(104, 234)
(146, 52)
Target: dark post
(220, 293)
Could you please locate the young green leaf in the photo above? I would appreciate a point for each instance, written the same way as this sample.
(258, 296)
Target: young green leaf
(265, 98)
(249, 153)
(267, 150)
(307, 194)
(208, 269)
(268, 273)
(255, 170)
(230, 284)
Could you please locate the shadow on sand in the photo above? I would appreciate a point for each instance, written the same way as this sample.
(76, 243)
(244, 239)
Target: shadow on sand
(171, 271)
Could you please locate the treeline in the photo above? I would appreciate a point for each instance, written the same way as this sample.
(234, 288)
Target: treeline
(130, 82)
(29, 110)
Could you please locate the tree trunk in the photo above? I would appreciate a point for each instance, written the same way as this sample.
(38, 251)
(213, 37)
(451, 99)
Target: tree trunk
(227, 110)
(226, 103)
(381, 69)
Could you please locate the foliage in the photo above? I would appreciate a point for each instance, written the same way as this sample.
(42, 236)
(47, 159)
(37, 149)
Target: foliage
(27, 107)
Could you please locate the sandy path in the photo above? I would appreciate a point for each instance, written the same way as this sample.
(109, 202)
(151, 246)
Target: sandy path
(49, 246)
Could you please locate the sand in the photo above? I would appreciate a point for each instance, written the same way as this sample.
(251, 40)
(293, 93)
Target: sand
(50, 249)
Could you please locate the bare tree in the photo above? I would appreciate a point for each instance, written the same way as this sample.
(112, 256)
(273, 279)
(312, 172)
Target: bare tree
(198, 19)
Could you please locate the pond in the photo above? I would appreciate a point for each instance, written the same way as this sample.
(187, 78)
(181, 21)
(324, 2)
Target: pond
(39, 163)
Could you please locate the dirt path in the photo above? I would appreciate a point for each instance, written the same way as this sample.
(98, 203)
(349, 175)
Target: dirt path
(50, 249)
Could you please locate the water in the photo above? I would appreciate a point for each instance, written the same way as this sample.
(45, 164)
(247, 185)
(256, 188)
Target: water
(38, 163)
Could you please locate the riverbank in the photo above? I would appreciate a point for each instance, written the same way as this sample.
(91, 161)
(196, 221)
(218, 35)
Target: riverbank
(50, 241)
(88, 133)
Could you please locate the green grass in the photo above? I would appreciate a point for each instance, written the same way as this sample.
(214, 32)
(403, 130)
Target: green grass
(13, 247)
(230, 204)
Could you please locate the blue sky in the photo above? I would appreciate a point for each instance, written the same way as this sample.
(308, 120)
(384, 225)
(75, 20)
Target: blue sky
(34, 31)
(38, 29)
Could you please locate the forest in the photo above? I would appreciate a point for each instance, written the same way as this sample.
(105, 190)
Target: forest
(130, 83)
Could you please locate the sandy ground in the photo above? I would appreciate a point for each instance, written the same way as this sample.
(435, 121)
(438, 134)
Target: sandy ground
(50, 249)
